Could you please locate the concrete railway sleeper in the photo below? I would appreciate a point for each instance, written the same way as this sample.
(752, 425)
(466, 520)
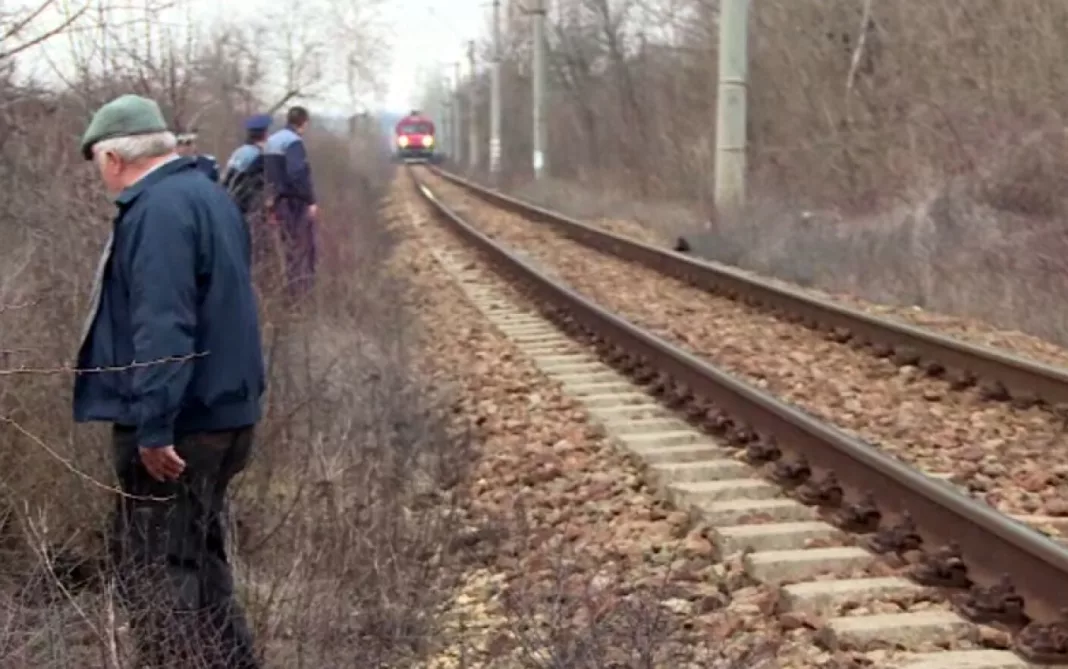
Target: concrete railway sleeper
(1001, 375)
(842, 528)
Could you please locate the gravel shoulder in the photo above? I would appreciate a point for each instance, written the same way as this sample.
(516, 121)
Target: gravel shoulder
(1015, 459)
(564, 541)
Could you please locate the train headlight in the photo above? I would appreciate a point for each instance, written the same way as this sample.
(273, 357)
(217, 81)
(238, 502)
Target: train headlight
(402, 141)
(428, 141)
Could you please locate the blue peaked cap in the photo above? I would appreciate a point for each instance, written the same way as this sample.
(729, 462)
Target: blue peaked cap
(258, 122)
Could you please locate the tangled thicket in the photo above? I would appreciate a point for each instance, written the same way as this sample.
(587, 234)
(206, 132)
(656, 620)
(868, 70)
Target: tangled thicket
(899, 150)
(333, 535)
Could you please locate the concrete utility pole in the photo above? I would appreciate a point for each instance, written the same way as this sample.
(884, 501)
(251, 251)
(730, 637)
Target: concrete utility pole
(472, 105)
(457, 115)
(540, 134)
(731, 105)
(495, 97)
(443, 119)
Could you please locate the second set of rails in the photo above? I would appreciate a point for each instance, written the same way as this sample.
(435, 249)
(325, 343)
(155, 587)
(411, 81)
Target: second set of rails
(1001, 570)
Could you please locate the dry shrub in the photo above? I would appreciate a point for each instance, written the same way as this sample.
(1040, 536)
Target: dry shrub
(664, 218)
(342, 515)
(1027, 174)
(918, 159)
(344, 518)
(54, 221)
(534, 599)
(580, 609)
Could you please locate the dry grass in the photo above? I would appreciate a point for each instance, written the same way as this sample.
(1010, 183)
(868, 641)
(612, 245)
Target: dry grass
(925, 168)
(341, 519)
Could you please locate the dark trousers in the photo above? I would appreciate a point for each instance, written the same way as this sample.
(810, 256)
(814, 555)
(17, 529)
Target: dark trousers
(298, 244)
(170, 555)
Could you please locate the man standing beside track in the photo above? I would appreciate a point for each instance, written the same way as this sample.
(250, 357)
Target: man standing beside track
(245, 181)
(173, 345)
(292, 198)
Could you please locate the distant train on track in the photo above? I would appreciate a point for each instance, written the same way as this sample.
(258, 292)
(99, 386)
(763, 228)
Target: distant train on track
(415, 140)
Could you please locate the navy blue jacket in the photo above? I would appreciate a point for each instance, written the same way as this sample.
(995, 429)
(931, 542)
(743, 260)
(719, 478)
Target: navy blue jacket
(244, 177)
(177, 285)
(287, 169)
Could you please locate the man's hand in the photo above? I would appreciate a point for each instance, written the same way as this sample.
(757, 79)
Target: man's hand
(162, 463)
(313, 211)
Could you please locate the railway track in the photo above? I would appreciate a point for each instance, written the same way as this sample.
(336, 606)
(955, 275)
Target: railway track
(874, 553)
(1002, 374)
(1012, 457)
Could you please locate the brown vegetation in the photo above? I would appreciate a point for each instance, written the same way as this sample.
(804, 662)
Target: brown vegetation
(338, 529)
(923, 164)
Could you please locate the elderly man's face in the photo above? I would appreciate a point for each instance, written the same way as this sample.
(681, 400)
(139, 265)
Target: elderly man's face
(112, 168)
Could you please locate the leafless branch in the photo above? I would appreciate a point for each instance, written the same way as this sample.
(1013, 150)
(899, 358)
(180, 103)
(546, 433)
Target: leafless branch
(28, 19)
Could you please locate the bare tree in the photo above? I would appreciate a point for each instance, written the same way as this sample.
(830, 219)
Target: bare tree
(633, 84)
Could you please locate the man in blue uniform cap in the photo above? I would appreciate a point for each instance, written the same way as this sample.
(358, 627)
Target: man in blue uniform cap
(244, 179)
(243, 176)
(187, 146)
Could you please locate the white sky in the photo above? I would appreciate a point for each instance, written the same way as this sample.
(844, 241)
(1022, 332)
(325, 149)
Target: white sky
(425, 38)
(428, 36)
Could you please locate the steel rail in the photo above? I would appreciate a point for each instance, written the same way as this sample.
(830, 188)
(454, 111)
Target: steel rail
(991, 543)
(1019, 377)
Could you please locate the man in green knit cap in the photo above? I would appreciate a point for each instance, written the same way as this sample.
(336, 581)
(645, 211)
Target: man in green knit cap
(173, 310)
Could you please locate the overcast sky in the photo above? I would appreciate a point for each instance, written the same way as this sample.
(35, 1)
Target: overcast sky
(425, 38)
(428, 35)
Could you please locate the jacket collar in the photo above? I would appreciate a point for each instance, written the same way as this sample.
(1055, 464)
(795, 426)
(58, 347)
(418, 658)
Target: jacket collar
(152, 177)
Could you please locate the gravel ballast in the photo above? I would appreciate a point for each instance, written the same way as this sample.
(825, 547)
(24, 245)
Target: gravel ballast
(1013, 458)
(565, 540)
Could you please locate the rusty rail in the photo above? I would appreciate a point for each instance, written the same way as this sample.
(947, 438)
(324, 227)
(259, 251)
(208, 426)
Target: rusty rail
(1010, 375)
(991, 543)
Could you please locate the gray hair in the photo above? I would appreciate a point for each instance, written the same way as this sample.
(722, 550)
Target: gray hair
(133, 148)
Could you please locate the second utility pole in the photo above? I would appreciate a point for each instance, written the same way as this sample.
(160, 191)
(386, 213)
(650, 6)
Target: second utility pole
(457, 116)
(495, 97)
(731, 115)
(472, 105)
(540, 126)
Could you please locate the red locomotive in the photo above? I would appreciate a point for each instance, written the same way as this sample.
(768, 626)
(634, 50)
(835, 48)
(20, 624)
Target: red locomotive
(414, 137)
